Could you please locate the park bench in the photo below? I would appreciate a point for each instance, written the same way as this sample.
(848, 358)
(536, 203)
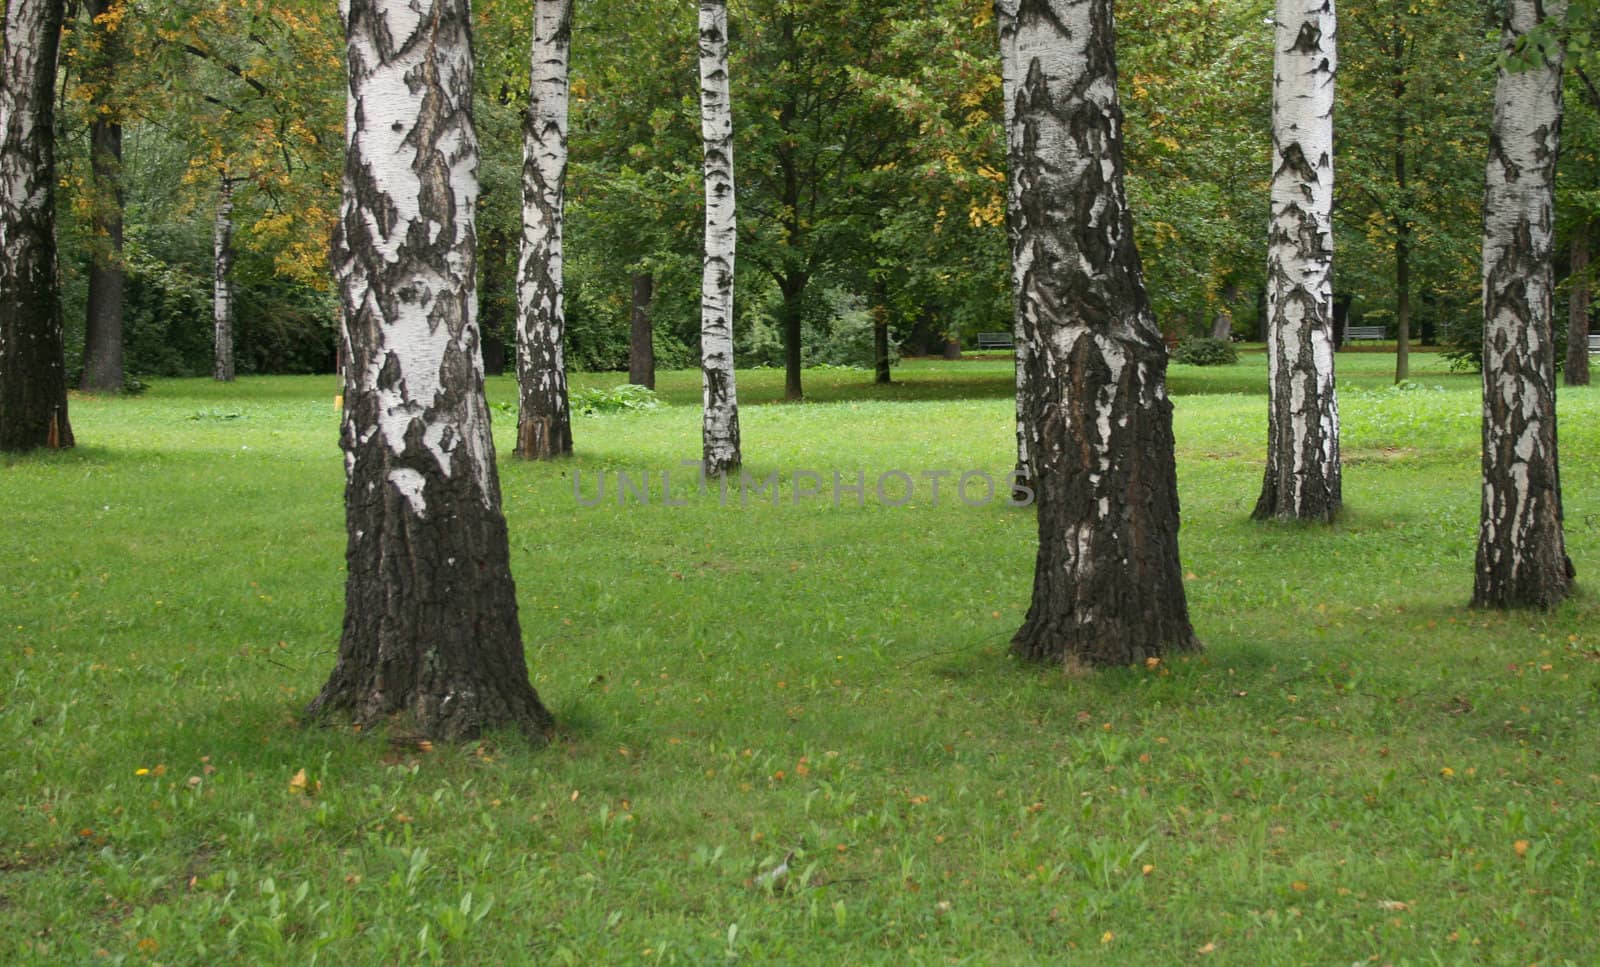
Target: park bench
(1594, 344)
(1352, 333)
(995, 340)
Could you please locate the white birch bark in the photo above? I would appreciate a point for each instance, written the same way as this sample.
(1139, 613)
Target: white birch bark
(1521, 559)
(1303, 478)
(33, 387)
(720, 428)
(1005, 15)
(544, 422)
(222, 364)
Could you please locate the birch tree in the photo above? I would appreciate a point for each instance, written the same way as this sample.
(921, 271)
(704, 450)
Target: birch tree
(720, 427)
(1005, 15)
(544, 422)
(1303, 476)
(33, 381)
(222, 360)
(1108, 586)
(1522, 559)
(430, 629)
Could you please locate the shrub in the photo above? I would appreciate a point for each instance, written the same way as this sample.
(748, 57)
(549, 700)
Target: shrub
(1205, 351)
(617, 399)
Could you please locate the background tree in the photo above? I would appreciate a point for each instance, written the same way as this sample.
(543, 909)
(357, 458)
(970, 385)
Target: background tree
(720, 432)
(1303, 474)
(1414, 82)
(431, 627)
(544, 423)
(33, 379)
(1522, 559)
(1108, 586)
(223, 367)
(102, 338)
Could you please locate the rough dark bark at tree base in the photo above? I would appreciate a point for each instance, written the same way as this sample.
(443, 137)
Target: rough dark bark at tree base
(431, 632)
(33, 382)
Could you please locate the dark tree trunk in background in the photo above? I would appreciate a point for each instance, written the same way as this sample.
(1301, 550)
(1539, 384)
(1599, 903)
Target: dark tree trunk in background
(793, 312)
(102, 331)
(33, 378)
(1108, 586)
(497, 299)
(430, 628)
(1577, 368)
(880, 344)
(544, 421)
(1522, 559)
(642, 338)
(1401, 217)
(1303, 479)
(222, 365)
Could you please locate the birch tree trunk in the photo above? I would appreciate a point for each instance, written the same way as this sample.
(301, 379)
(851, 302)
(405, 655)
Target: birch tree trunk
(33, 380)
(430, 627)
(1303, 475)
(544, 422)
(222, 365)
(642, 337)
(1005, 13)
(1108, 586)
(1522, 559)
(1576, 371)
(102, 330)
(720, 427)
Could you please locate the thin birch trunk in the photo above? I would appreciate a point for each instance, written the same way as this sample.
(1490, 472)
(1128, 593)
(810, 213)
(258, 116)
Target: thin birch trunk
(1108, 587)
(33, 380)
(1522, 559)
(720, 428)
(1005, 13)
(222, 364)
(430, 629)
(1303, 476)
(544, 421)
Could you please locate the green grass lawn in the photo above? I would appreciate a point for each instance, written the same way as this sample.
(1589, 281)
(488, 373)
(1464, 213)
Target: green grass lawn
(1357, 767)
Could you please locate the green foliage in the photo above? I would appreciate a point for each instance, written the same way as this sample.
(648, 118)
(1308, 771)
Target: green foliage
(626, 397)
(1205, 351)
(1355, 748)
